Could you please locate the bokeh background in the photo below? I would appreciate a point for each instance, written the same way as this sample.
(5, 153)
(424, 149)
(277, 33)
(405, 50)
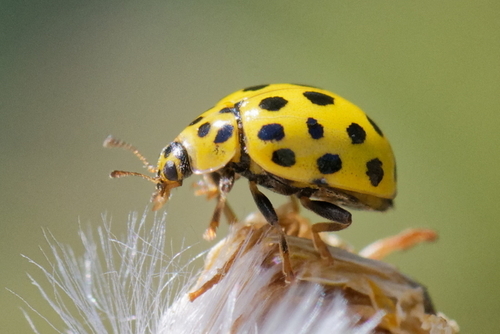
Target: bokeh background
(428, 72)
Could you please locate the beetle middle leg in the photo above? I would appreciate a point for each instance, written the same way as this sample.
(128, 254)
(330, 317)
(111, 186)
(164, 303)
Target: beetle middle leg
(340, 219)
(266, 208)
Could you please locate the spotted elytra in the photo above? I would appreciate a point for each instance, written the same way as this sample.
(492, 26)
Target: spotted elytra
(292, 139)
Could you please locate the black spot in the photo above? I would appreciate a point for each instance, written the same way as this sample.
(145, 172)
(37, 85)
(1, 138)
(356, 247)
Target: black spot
(182, 165)
(375, 171)
(284, 157)
(224, 134)
(178, 150)
(315, 129)
(196, 120)
(170, 171)
(272, 131)
(375, 126)
(319, 98)
(254, 88)
(203, 130)
(356, 133)
(273, 103)
(167, 151)
(225, 111)
(329, 163)
(237, 106)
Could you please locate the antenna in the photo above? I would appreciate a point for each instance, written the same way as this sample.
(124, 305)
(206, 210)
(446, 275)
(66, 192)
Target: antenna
(112, 142)
(116, 174)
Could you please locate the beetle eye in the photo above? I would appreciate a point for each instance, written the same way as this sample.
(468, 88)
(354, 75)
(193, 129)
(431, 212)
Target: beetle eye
(170, 171)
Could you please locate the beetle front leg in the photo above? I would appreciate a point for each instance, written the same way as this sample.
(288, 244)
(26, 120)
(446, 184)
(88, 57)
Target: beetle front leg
(208, 187)
(340, 219)
(225, 180)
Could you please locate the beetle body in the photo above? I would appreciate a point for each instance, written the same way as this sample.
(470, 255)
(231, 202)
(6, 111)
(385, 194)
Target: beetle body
(292, 139)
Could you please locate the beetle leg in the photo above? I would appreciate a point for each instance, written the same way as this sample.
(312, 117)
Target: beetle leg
(340, 220)
(266, 208)
(225, 182)
(229, 214)
(207, 187)
(210, 232)
(292, 222)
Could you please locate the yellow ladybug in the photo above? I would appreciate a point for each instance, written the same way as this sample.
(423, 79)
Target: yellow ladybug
(295, 140)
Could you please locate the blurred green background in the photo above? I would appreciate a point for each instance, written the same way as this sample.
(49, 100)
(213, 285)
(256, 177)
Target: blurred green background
(428, 72)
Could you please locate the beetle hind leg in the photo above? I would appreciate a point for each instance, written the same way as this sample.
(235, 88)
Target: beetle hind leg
(266, 208)
(340, 219)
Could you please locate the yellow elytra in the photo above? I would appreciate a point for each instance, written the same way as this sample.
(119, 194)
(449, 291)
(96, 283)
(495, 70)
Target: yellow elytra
(292, 139)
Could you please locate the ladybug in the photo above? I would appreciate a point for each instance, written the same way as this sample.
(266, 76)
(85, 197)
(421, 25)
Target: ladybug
(295, 140)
